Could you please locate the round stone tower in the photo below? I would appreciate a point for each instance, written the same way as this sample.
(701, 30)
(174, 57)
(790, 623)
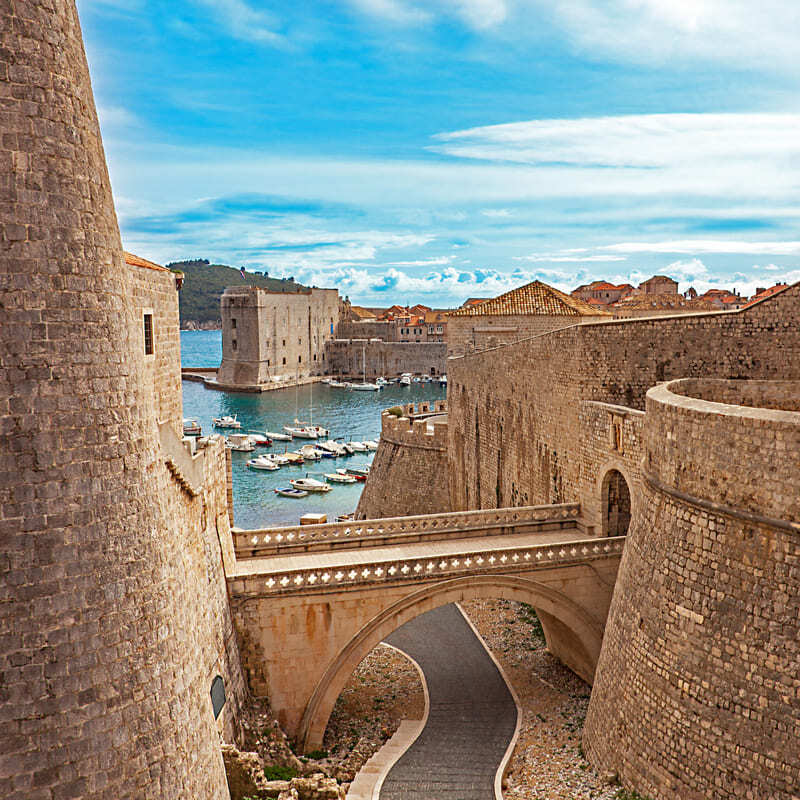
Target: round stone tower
(99, 694)
(697, 692)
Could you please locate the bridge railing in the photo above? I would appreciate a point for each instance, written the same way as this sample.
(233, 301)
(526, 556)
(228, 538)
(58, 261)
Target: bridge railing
(369, 532)
(361, 572)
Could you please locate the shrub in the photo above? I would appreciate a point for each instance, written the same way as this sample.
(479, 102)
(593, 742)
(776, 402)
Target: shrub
(275, 772)
(395, 411)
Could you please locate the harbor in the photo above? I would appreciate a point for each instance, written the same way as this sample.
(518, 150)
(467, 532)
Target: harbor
(348, 416)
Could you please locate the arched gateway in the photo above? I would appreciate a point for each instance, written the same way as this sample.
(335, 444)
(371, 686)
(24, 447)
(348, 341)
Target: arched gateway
(616, 504)
(307, 619)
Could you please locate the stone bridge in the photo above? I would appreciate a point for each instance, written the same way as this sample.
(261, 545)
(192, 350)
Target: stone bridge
(310, 602)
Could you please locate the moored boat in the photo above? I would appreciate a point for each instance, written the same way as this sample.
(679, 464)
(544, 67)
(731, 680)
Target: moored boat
(405, 379)
(191, 427)
(240, 442)
(310, 453)
(293, 458)
(359, 471)
(226, 421)
(290, 491)
(279, 437)
(310, 485)
(358, 447)
(263, 462)
(260, 440)
(338, 477)
(370, 444)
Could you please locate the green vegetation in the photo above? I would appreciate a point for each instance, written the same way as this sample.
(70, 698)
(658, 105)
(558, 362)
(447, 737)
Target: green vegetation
(528, 614)
(316, 755)
(629, 794)
(275, 772)
(204, 283)
(395, 411)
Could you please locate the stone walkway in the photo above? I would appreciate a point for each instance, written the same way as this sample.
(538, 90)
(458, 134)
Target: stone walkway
(472, 713)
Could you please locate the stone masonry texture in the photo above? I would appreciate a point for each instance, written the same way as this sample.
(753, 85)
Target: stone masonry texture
(104, 652)
(697, 692)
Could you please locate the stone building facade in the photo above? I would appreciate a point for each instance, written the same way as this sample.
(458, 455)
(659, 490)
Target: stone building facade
(530, 310)
(412, 452)
(114, 621)
(349, 358)
(271, 336)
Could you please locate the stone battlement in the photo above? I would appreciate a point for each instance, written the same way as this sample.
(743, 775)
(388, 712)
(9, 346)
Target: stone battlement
(422, 426)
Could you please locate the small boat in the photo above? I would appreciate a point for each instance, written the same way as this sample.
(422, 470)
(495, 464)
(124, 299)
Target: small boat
(345, 517)
(280, 459)
(279, 437)
(405, 379)
(358, 447)
(335, 448)
(320, 430)
(260, 440)
(365, 387)
(300, 433)
(443, 380)
(262, 462)
(350, 474)
(240, 442)
(381, 381)
(415, 380)
(370, 444)
(359, 471)
(290, 491)
(339, 385)
(191, 427)
(226, 422)
(337, 477)
(310, 453)
(293, 458)
(310, 485)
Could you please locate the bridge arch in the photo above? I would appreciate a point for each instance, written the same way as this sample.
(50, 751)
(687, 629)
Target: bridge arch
(571, 634)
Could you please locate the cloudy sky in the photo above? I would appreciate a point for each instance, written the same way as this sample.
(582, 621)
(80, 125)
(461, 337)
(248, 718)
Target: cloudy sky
(432, 150)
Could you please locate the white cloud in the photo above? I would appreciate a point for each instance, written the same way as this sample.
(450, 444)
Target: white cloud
(555, 258)
(496, 213)
(394, 11)
(708, 246)
(245, 22)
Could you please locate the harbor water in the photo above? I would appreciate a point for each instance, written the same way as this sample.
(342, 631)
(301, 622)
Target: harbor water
(347, 414)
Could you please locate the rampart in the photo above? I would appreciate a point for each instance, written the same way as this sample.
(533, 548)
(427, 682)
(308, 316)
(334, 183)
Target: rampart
(410, 469)
(534, 422)
(696, 689)
(348, 357)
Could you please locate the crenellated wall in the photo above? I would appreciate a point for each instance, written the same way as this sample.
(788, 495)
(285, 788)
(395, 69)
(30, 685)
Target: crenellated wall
(696, 692)
(409, 473)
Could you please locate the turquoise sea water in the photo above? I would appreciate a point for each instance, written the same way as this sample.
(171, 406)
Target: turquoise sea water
(348, 415)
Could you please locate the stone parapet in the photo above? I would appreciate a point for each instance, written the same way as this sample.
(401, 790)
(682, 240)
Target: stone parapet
(696, 688)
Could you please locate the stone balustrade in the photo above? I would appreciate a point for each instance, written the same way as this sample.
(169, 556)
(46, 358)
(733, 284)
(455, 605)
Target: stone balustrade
(473, 562)
(366, 533)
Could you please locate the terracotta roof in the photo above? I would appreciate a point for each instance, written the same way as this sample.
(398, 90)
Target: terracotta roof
(435, 316)
(533, 298)
(474, 301)
(136, 261)
(362, 313)
(660, 301)
(778, 287)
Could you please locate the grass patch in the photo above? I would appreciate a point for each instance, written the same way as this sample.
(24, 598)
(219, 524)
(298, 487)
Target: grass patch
(275, 772)
(316, 755)
(528, 615)
(629, 794)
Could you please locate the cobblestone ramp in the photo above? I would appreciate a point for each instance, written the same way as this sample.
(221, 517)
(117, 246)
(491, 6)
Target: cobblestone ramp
(472, 713)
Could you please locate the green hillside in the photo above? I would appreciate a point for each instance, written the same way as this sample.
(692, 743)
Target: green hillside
(204, 283)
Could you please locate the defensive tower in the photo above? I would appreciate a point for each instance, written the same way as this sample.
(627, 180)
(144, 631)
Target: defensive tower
(101, 696)
(696, 690)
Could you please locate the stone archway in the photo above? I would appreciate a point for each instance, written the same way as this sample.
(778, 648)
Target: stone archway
(571, 633)
(616, 499)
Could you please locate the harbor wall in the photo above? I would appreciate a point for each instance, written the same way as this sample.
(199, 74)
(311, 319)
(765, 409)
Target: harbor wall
(521, 432)
(409, 473)
(346, 357)
(696, 690)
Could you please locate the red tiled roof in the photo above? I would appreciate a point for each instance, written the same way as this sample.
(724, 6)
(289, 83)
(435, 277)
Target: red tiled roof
(137, 261)
(533, 298)
(778, 287)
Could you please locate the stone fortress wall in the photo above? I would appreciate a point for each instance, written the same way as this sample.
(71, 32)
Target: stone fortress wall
(270, 336)
(114, 615)
(411, 461)
(696, 692)
(347, 357)
(522, 425)
(468, 334)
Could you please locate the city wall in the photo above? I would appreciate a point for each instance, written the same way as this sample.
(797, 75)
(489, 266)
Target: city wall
(696, 689)
(522, 427)
(346, 357)
(410, 471)
(471, 333)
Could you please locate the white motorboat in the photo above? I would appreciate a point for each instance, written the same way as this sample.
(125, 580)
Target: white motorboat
(381, 381)
(405, 379)
(339, 385)
(263, 462)
(260, 440)
(290, 491)
(332, 447)
(320, 430)
(240, 442)
(309, 452)
(310, 485)
(280, 459)
(300, 432)
(443, 380)
(358, 447)
(337, 477)
(371, 444)
(279, 437)
(226, 422)
(362, 472)
(365, 387)
(191, 427)
(415, 380)
(348, 449)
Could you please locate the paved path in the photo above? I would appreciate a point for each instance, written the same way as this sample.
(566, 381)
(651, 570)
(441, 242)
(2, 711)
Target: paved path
(472, 713)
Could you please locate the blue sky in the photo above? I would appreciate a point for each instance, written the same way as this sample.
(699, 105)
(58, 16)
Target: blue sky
(403, 150)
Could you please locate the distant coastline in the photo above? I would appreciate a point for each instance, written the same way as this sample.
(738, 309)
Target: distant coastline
(194, 325)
